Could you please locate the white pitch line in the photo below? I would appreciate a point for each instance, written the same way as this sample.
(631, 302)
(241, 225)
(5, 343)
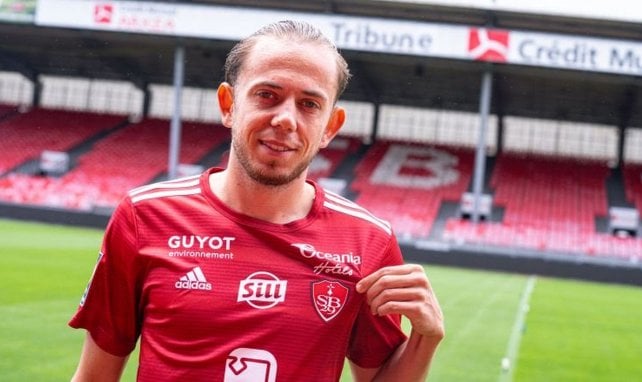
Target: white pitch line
(508, 363)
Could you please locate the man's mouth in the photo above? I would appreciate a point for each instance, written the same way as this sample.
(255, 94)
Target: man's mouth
(275, 146)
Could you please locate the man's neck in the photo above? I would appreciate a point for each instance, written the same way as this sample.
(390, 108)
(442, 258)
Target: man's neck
(274, 204)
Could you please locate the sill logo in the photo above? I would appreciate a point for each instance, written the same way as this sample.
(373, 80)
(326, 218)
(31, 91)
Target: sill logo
(488, 44)
(262, 290)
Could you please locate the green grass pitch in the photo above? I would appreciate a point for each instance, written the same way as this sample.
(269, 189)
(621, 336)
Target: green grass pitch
(573, 331)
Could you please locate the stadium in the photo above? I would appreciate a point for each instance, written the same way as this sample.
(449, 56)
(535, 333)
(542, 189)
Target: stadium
(502, 141)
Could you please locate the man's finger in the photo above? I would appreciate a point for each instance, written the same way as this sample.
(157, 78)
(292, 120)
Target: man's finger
(365, 283)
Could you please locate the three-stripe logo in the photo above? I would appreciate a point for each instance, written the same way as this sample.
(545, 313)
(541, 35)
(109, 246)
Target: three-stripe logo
(194, 279)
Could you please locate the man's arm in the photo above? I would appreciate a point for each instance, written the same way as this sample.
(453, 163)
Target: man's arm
(405, 290)
(96, 365)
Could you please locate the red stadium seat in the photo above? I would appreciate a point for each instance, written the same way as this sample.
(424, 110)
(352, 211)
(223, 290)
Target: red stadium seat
(550, 205)
(25, 136)
(406, 183)
(125, 159)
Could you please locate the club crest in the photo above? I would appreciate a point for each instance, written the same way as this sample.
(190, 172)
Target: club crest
(329, 298)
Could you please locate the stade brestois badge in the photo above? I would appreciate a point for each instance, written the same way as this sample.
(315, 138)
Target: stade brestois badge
(329, 298)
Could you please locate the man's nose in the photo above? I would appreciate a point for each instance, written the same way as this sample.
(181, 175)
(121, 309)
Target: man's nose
(285, 115)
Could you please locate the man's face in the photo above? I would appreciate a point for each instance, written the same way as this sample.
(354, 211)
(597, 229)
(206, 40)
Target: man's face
(283, 109)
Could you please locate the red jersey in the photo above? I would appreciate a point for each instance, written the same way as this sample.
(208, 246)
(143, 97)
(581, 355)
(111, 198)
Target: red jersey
(215, 295)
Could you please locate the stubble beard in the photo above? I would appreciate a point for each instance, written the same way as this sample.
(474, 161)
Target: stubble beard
(268, 177)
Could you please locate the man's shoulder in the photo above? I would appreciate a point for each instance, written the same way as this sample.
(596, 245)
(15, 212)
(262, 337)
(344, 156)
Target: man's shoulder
(170, 188)
(354, 213)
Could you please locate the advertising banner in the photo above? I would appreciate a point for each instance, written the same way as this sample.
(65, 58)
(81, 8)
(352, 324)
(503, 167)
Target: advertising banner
(17, 11)
(556, 51)
(353, 33)
(229, 23)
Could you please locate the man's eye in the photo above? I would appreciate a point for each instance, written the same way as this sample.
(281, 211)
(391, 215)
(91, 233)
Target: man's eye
(264, 94)
(310, 104)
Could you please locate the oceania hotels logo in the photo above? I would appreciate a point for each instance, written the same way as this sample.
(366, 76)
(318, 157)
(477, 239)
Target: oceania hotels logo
(330, 263)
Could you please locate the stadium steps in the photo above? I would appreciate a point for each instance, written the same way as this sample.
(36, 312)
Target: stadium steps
(7, 111)
(26, 135)
(88, 144)
(488, 173)
(446, 210)
(114, 164)
(346, 169)
(615, 189)
(410, 193)
(33, 166)
(450, 210)
(214, 157)
(616, 196)
(551, 205)
(138, 154)
(211, 159)
(633, 184)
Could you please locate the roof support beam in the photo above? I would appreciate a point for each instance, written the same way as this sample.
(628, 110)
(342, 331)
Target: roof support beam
(16, 65)
(626, 111)
(370, 92)
(175, 126)
(480, 155)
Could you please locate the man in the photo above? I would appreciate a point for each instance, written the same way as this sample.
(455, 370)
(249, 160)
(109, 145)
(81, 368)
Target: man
(253, 273)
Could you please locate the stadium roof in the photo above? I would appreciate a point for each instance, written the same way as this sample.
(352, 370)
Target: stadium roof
(380, 78)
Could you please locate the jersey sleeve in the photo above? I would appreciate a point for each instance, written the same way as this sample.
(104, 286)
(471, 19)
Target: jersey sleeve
(375, 338)
(109, 307)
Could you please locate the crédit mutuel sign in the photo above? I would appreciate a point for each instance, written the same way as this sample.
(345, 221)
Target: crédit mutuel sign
(352, 33)
(556, 51)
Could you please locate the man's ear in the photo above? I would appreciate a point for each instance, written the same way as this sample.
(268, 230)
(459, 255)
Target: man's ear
(337, 119)
(225, 95)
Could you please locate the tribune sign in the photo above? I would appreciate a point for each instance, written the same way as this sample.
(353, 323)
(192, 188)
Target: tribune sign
(352, 33)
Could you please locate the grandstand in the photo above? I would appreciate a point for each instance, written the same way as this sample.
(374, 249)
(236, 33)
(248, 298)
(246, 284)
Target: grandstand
(127, 158)
(27, 135)
(407, 183)
(560, 148)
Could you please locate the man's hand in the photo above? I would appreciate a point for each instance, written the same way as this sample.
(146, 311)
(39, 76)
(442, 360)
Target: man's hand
(405, 289)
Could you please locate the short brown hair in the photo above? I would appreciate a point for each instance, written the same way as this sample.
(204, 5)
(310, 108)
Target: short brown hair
(290, 30)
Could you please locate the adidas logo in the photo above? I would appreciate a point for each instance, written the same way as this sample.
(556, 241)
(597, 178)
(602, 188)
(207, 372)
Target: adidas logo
(194, 279)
